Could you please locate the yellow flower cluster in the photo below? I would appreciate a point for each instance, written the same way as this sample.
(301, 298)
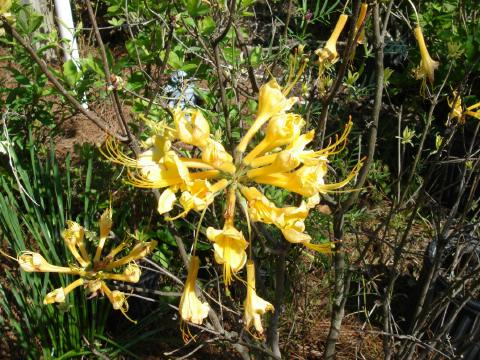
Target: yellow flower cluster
(92, 272)
(457, 112)
(425, 71)
(281, 159)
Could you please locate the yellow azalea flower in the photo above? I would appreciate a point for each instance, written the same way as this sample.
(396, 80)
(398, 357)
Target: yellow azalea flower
(34, 262)
(288, 159)
(427, 65)
(192, 127)
(91, 276)
(140, 250)
(254, 305)
(296, 150)
(455, 103)
(281, 130)
(457, 111)
(260, 208)
(215, 154)
(58, 295)
(159, 146)
(169, 171)
(191, 308)
(307, 180)
(74, 238)
(205, 169)
(290, 219)
(131, 274)
(271, 102)
(229, 246)
(117, 298)
(166, 201)
(329, 52)
(105, 225)
(201, 194)
(360, 20)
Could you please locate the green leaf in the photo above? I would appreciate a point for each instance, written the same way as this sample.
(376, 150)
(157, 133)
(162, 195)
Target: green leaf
(189, 67)
(71, 73)
(246, 3)
(174, 60)
(113, 9)
(256, 56)
(207, 26)
(196, 7)
(136, 81)
(92, 64)
(116, 22)
(232, 55)
(35, 22)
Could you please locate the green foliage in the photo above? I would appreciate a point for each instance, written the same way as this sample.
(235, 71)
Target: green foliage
(34, 208)
(454, 41)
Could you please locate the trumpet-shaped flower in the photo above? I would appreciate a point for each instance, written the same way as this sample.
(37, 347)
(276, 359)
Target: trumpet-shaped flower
(74, 238)
(201, 194)
(329, 51)
(140, 250)
(271, 101)
(295, 152)
(169, 171)
(254, 305)
(58, 295)
(105, 225)
(215, 154)
(131, 274)
(288, 159)
(192, 127)
(290, 219)
(92, 277)
(229, 246)
(457, 112)
(360, 20)
(427, 65)
(307, 180)
(191, 308)
(281, 130)
(117, 298)
(166, 201)
(34, 262)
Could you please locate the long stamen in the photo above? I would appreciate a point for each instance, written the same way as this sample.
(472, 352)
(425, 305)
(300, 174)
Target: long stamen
(114, 154)
(300, 71)
(339, 144)
(340, 184)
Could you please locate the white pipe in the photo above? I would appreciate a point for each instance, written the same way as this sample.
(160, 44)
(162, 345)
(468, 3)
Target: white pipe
(67, 34)
(63, 11)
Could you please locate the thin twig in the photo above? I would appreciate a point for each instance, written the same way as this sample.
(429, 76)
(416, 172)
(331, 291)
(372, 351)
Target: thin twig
(108, 77)
(56, 83)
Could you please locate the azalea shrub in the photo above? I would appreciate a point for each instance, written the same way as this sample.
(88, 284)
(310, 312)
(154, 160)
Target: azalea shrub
(235, 160)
